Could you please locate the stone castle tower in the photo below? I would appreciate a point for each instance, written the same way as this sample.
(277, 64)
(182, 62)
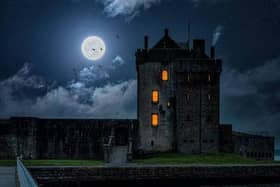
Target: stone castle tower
(178, 97)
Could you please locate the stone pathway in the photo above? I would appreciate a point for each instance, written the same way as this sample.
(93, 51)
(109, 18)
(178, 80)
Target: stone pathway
(7, 176)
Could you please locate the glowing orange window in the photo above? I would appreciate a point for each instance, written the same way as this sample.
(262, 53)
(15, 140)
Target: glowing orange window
(155, 96)
(154, 120)
(164, 75)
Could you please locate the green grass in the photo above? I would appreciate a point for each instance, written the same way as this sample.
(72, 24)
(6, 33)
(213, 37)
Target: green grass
(175, 158)
(7, 162)
(162, 158)
(54, 162)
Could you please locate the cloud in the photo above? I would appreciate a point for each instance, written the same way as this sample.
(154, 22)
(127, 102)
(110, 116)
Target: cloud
(91, 95)
(237, 84)
(110, 101)
(252, 98)
(253, 80)
(216, 35)
(15, 91)
(115, 100)
(23, 79)
(127, 8)
(132, 8)
(89, 75)
(118, 61)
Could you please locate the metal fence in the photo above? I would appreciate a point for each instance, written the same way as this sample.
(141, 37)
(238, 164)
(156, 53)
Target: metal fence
(24, 177)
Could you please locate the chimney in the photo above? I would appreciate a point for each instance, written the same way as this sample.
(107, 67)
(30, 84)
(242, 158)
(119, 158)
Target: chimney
(165, 32)
(212, 52)
(199, 46)
(146, 42)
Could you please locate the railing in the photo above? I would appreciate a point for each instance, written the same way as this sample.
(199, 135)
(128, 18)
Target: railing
(24, 177)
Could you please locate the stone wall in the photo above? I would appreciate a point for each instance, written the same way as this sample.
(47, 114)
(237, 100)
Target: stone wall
(160, 138)
(247, 145)
(8, 140)
(158, 174)
(61, 138)
(226, 142)
(85, 138)
(197, 110)
(253, 146)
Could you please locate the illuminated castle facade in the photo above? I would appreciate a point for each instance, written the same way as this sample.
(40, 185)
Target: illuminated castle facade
(178, 97)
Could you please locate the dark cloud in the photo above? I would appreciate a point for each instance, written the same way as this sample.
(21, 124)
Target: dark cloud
(252, 97)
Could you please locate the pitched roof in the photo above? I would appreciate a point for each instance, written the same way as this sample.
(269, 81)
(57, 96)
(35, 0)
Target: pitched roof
(166, 42)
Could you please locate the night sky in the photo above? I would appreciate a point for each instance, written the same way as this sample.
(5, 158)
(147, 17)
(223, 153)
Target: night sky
(43, 72)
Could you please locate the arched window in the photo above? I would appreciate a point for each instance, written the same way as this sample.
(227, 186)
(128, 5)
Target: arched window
(164, 75)
(155, 120)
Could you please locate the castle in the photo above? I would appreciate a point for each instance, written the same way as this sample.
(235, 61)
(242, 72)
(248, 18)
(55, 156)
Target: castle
(178, 102)
(178, 111)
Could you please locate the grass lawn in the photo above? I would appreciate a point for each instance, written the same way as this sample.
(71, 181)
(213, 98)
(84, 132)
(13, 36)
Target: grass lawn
(53, 162)
(162, 158)
(7, 162)
(175, 158)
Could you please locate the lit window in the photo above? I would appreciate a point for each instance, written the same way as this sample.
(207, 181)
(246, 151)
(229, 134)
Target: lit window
(154, 120)
(155, 96)
(164, 75)
(209, 77)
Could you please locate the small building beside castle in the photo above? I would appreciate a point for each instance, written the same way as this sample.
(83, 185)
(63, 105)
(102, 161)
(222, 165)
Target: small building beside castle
(178, 110)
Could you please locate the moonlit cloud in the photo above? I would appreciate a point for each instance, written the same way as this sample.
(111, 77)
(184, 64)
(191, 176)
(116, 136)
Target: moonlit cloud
(91, 95)
(110, 101)
(93, 73)
(127, 8)
(118, 61)
(23, 79)
(217, 34)
(132, 8)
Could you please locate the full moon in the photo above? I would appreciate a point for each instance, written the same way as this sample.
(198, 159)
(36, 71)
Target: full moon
(93, 48)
